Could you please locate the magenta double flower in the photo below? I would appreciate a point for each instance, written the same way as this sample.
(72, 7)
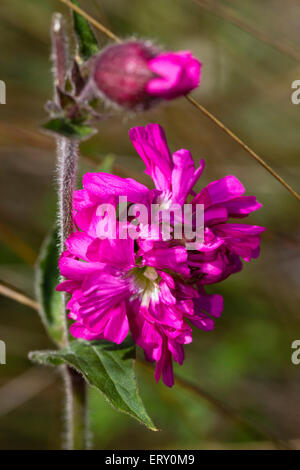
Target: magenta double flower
(151, 287)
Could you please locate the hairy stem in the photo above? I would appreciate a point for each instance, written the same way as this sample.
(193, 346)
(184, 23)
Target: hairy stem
(67, 163)
(77, 435)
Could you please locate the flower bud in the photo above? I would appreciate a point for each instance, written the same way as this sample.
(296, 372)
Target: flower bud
(136, 74)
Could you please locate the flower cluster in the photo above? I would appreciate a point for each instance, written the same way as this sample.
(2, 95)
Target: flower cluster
(152, 287)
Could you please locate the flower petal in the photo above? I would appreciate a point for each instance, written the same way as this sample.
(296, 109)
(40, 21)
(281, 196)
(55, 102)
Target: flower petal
(101, 186)
(117, 327)
(78, 243)
(184, 175)
(220, 191)
(151, 144)
(178, 74)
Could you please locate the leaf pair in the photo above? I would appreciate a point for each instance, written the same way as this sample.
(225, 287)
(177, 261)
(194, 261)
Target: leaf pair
(67, 128)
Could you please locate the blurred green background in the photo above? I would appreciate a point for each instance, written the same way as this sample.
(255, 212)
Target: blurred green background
(246, 360)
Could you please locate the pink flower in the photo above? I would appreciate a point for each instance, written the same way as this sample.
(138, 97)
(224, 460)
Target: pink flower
(113, 290)
(150, 286)
(135, 74)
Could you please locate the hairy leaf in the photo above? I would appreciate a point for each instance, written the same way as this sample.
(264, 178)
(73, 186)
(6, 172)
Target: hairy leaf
(106, 366)
(88, 45)
(47, 278)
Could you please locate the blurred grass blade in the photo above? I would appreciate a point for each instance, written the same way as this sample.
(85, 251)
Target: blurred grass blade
(106, 366)
(107, 165)
(87, 42)
(47, 278)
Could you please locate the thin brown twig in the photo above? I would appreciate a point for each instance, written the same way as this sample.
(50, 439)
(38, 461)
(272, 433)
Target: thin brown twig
(222, 12)
(12, 293)
(201, 108)
(243, 145)
(23, 388)
(89, 18)
(18, 296)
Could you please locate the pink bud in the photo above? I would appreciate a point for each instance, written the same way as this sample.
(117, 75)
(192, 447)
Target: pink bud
(177, 74)
(136, 75)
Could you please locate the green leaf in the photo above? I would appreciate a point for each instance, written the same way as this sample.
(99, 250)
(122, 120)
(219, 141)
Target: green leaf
(47, 278)
(65, 127)
(88, 44)
(106, 366)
